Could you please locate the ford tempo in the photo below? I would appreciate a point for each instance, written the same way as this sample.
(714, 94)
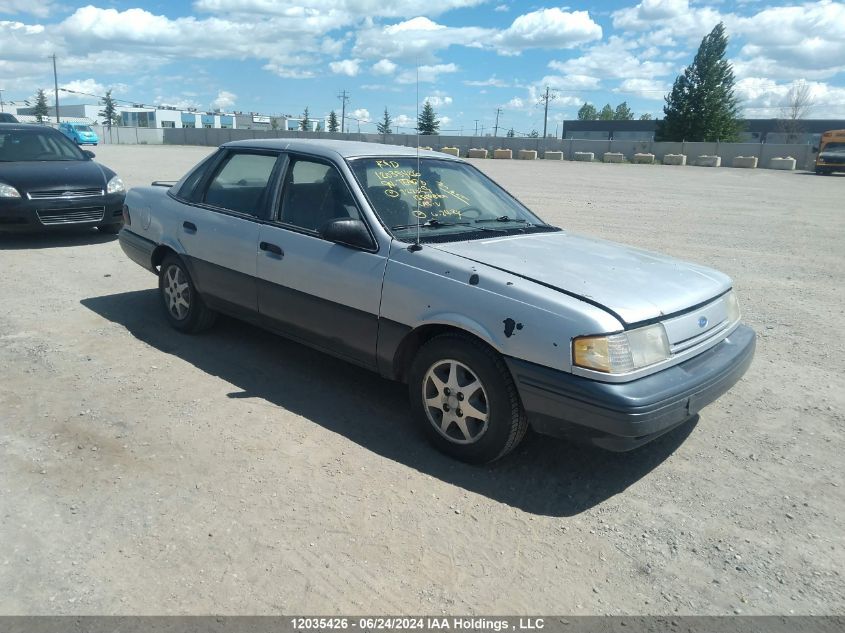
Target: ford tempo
(416, 265)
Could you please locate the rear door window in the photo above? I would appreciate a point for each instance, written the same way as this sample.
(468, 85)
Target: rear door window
(241, 183)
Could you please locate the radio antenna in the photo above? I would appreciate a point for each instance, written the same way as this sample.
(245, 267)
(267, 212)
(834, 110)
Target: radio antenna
(417, 246)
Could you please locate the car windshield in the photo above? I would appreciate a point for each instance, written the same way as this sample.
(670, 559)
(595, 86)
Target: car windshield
(36, 145)
(447, 199)
(83, 128)
(834, 147)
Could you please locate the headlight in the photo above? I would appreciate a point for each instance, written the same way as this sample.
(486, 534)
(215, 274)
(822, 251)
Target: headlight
(8, 191)
(732, 305)
(115, 185)
(622, 353)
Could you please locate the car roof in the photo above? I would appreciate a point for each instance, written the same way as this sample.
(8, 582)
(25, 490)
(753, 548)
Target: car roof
(24, 126)
(332, 148)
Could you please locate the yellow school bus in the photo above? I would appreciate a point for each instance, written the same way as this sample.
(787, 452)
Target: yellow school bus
(831, 156)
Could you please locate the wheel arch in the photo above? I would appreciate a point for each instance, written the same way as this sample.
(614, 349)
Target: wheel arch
(413, 341)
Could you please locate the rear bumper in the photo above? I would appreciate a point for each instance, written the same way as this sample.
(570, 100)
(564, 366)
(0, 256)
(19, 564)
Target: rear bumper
(27, 216)
(623, 416)
(137, 248)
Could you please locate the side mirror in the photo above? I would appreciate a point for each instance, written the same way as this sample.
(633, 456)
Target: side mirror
(348, 232)
(815, 149)
(89, 153)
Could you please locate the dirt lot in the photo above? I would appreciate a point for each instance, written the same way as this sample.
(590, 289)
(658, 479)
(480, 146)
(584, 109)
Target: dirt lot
(144, 471)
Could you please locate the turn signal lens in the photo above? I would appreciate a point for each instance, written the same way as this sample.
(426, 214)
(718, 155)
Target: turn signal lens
(732, 304)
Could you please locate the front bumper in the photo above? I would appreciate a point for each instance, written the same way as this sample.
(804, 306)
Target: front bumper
(623, 416)
(24, 215)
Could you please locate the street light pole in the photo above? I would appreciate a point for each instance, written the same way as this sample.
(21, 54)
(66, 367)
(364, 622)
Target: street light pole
(56, 86)
(1, 100)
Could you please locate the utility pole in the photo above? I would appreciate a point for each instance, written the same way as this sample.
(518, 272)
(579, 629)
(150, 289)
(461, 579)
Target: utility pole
(496, 129)
(344, 97)
(476, 127)
(1, 100)
(56, 86)
(547, 96)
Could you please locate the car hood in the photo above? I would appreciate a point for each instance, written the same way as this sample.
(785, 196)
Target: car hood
(55, 174)
(633, 284)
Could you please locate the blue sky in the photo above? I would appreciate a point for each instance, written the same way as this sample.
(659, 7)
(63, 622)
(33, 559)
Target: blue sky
(474, 56)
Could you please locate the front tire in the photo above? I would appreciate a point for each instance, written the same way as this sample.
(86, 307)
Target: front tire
(183, 306)
(463, 395)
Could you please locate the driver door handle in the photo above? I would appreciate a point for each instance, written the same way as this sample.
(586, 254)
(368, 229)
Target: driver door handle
(271, 248)
(189, 226)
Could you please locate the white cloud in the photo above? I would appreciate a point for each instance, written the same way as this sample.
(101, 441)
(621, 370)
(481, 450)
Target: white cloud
(644, 88)
(225, 100)
(548, 28)
(427, 74)
(492, 81)
(614, 59)
(183, 102)
(349, 10)
(362, 114)
(502, 8)
(514, 104)
(765, 98)
(438, 99)
(417, 39)
(384, 67)
(87, 86)
(570, 82)
(348, 67)
(404, 120)
(41, 9)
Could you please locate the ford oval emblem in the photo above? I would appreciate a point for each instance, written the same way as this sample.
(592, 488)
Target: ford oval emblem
(702, 321)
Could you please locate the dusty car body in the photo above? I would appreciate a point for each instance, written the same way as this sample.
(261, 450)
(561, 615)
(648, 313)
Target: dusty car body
(415, 265)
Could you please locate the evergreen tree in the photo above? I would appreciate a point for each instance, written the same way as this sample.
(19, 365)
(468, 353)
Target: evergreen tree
(534, 134)
(334, 126)
(109, 113)
(305, 123)
(427, 123)
(702, 105)
(41, 109)
(587, 112)
(606, 113)
(510, 133)
(384, 126)
(623, 112)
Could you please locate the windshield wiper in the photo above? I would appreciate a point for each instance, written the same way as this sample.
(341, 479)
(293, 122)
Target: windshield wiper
(429, 223)
(502, 218)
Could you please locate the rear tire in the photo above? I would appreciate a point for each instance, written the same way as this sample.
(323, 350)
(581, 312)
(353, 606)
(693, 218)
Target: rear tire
(463, 395)
(183, 306)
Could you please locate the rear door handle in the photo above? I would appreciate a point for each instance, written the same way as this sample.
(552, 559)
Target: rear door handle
(271, 248)
(189, 226)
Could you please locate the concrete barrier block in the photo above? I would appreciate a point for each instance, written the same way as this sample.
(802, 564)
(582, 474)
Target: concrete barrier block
(745, 162)
(549, 155)
(613, 157)
(782, 162)
(502, 153)
(643, 159)
(708, 161)
(527, 154)
(452, 151)
(675, 159)
(586, 157)
(476, 152)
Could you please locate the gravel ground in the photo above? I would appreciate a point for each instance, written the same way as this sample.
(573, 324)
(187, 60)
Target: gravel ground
(144, 471)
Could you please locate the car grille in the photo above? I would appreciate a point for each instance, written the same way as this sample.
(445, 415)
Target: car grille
(71, 216)
(65, 194)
